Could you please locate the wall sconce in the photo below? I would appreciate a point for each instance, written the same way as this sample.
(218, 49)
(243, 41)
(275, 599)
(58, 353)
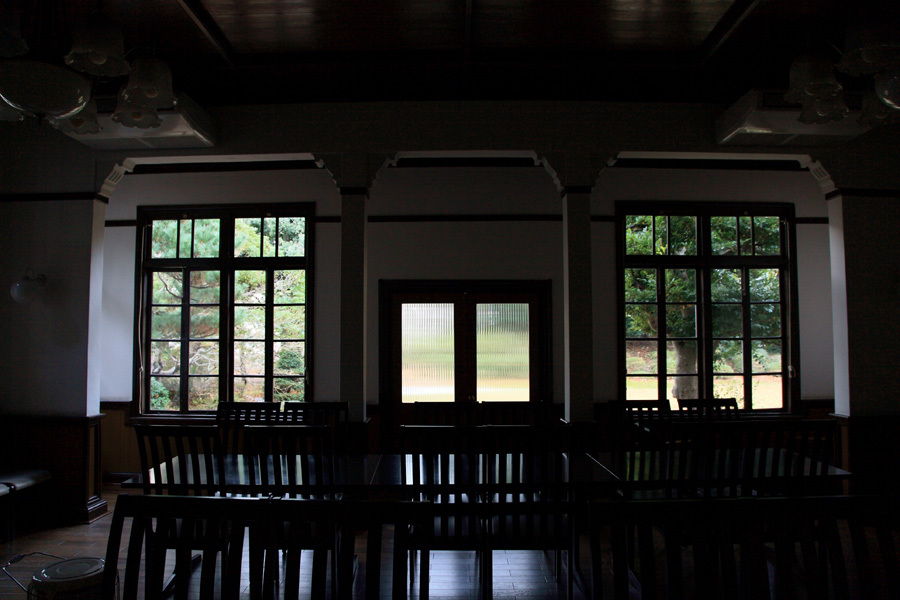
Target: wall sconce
(27, 288)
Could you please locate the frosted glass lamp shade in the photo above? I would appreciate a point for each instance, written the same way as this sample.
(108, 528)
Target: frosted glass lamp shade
(131, 114)
(150, 84)
(812, 77)
(82, 123)
(43, 90)
(887, 87)
(98, 48)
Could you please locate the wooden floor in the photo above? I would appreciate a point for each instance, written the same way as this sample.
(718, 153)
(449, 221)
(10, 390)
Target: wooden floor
(516, 575)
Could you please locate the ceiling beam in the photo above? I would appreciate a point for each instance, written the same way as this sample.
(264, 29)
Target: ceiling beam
(209, 28)
(727, 25)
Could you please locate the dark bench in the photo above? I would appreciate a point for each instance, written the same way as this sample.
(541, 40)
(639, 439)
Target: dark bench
(13, 484)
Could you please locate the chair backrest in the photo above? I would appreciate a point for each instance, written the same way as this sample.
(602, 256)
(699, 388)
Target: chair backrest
(445, 413)
(180, 459)
(812, 547)
(290, 460)
(231, 417)
(749, 457)
(333, 414)
(513, 413)
(709, 409)
(259, 516)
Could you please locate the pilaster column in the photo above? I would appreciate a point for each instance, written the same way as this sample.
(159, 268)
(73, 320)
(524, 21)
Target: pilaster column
(354, 175)
(575, 180)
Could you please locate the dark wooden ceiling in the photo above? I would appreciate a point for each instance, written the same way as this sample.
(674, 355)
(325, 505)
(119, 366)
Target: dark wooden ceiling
(264, 51)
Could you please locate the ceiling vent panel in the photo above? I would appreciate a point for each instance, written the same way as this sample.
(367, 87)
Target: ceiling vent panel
(184, 126)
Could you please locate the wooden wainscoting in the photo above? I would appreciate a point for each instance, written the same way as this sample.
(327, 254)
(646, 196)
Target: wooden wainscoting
(68, 447)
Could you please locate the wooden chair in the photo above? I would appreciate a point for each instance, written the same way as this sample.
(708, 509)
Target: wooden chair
(232, 416)
(445, 413)
(713, 409)
(292, 461)
(527, 494)
(441, 468)
(261, 517)
(332, 414)
(774, 547)
(183, 460)
(512, 413)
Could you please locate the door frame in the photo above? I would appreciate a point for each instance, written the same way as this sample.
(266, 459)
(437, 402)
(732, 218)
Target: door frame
(389, 405)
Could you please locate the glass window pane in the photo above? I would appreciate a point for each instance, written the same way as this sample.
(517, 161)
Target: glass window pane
(681, 285)
(768, 391)
(726, 321)
(745, 235)
(641, 388)
(163, 239)
(637, 234)
(204, 359)
(725, 285)
(728, 356)
(165, 393)
(206, 238)
(661, 243)
(681, 320)
(203, 393)
(185, 238)
(165, 358)
(290, 322)
(640, 285)
(250, 322)
(729, 387)
(249, 389)
(205, 287)
(204, 322)
(767, 237)
(167, 287)
(427, 353)
(290, 286)
(683, 236)
(290, 389)
(290, 358)
(640, 320)
(766, 356)
(269, 229)
(249, 358)
(764, 285)
(723, 235)
(502, 352)
(765, 320)
(250, 287)
(165, 323)
(247, 240)
(681, 387)
(681, 357)
(641, 357)
(291, 236)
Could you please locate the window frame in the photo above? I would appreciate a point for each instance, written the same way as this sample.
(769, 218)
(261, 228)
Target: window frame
(227, 265)
(703, 263)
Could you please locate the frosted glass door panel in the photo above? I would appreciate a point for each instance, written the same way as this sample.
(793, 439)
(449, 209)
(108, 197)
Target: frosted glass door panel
(427, 353)
(502, 352)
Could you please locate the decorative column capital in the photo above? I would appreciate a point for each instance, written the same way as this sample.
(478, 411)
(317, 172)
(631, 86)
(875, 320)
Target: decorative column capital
(572, 172)
(353, 173)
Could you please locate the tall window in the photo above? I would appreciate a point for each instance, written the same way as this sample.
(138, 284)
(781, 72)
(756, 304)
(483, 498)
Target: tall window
(706, 300)
(224, 306)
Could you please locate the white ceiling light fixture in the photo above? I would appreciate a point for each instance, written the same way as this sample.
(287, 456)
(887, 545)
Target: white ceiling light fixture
(60, 94)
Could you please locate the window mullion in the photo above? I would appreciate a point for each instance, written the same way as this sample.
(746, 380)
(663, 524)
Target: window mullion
(661, 339)
(746, 341)
(270, 335)
(184, 363)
